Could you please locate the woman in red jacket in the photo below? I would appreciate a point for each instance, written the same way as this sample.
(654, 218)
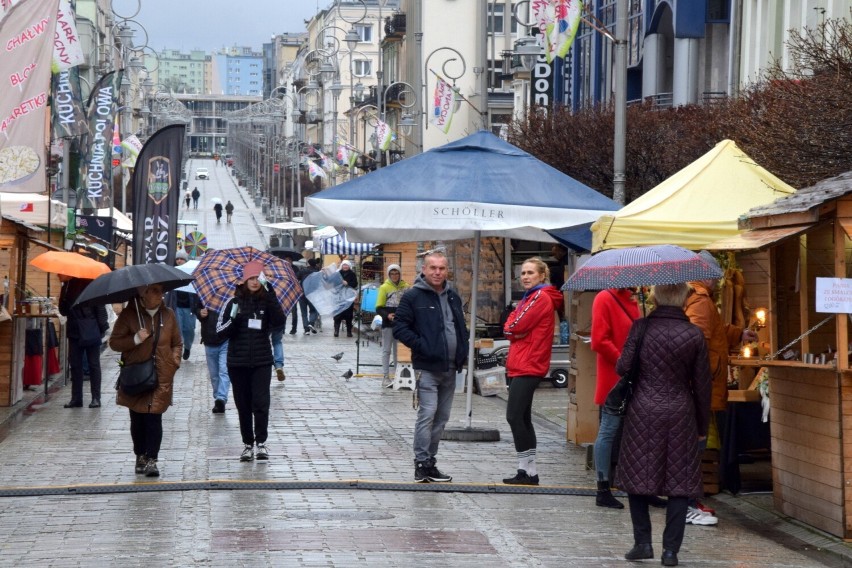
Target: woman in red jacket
(529, 330)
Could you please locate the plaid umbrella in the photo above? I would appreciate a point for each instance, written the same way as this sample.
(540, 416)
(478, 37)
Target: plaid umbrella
(219, 272)
(641, 266)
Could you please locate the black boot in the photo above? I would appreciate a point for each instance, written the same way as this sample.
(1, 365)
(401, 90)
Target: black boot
(604, 497)
(642, 551)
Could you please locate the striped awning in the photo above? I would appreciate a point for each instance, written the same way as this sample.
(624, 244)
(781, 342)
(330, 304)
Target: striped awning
(339, 245)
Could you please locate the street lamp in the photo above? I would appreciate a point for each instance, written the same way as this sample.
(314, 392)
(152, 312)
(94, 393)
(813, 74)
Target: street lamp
(402, 95)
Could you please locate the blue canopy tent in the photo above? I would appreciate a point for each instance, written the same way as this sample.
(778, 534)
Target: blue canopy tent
(578, 238)
(477, 186)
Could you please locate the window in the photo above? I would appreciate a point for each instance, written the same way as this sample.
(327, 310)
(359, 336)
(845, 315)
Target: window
(362, 67)
(365, 32)
(496, 22)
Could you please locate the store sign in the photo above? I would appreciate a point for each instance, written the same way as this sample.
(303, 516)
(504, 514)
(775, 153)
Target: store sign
(541, 82)
(834, 295)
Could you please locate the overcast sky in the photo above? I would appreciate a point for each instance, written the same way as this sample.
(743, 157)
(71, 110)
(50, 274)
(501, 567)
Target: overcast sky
(212, 24)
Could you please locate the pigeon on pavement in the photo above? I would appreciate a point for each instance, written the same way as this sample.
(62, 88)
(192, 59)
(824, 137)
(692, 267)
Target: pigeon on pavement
(348, 374)
(338, 357)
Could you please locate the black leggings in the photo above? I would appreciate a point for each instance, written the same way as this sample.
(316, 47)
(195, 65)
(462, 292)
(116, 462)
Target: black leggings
(675, 521)
(519, 411)
(146, 431)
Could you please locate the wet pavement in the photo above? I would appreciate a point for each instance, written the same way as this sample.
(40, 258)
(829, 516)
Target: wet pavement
(338, 488)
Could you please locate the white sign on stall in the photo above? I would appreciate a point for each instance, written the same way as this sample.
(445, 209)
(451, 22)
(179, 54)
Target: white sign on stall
(834, 295)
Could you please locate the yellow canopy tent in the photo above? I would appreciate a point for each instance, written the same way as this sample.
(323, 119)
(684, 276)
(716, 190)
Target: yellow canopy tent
(696, 206)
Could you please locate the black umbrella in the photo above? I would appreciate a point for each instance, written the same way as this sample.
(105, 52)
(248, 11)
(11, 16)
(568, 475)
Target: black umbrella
(120, 286)
(285, 253)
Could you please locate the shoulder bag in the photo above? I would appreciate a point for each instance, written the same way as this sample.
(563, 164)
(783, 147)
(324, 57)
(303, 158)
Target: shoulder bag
(138, 378)
(88, 332)
(620, 395)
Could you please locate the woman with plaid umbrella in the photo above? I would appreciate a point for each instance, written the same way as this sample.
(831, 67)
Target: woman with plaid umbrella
(246, 321)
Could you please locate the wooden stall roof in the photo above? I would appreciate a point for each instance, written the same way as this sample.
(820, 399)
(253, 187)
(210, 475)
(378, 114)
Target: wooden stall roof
(758, 239)
(804, 206)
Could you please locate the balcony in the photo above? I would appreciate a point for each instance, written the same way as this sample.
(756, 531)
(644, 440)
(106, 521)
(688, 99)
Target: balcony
(395, 26)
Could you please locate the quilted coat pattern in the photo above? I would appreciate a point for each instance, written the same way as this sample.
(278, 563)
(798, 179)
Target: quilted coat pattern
(670, 408)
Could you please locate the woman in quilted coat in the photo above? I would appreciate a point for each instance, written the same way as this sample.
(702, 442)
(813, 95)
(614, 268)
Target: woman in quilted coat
(133, 336)
(529, 330)
(667, 416)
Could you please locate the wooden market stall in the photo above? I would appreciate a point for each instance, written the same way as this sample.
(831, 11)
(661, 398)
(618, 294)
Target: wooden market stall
(805, 350)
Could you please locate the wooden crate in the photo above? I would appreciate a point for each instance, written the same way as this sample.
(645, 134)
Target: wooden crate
(710, 471)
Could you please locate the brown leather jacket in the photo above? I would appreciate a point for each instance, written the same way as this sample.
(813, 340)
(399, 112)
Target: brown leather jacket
(169, 349)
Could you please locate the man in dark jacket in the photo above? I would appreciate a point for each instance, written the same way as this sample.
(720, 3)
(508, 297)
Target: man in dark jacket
(85, 330)
(430, 321)
(195, 196)
(216, 350)
(309, 312)
(229, 210)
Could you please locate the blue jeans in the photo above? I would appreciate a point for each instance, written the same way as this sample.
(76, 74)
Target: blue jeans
(278, 347)
(388, 349)
(306, 307)
(217, 366)
(186, 320)
(436, 400)
(603, 445)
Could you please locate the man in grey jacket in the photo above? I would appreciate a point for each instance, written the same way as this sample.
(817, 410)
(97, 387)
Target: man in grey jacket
(430, 321)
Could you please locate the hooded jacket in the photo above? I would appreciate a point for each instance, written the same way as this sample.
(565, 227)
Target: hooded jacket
(168, 352)
(420, 325)
(390, 295)
(613, 312)
(701, 310)
(529, 329)
(248, 347)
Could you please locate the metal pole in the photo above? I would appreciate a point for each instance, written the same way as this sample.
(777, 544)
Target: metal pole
(477, 240)
(620, 141)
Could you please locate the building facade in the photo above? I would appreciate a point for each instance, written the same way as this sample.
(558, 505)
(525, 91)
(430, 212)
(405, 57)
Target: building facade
(238, 71)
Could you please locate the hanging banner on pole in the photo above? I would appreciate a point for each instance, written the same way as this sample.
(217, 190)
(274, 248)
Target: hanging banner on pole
(156, 196)
(558, 20)
(26, 34)
(97, 163)
(68, 117)
(67, 50)
(444, 105)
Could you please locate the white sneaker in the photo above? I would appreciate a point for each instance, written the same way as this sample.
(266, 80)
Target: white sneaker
(695, 516)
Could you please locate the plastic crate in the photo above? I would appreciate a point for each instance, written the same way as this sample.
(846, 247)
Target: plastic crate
(490, 382)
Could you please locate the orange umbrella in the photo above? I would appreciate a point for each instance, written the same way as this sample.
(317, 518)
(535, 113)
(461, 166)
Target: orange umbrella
(70, 264)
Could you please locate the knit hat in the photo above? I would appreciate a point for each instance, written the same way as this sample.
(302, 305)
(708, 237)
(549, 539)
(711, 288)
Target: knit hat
(393, 267)
(346, 263)
(251, 269)
(181, 254)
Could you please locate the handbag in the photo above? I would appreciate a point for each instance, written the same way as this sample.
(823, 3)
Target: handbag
(138, 378)
(88, 332)
(619, 397)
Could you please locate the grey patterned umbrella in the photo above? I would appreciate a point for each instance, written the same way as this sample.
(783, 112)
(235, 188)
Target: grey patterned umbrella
(641, 266)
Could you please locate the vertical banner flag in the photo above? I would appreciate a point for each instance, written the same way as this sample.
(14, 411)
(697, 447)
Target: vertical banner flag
(67, 51)
(384, 135)
(444, 105)
(346, 156)
(558, 20)
(68, 117)
(26, 38)
(156, 196)
(97, 163)
(131, 146)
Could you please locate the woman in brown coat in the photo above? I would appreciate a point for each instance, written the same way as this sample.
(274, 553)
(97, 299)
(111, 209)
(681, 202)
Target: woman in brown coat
(132, 336)
(667, 416)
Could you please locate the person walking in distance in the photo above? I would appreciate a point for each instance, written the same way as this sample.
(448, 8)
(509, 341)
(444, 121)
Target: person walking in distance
(195, 196)
(309, 312)
(187, 198)
(613, 312)
(217, 208)
(246, 321)
(529, 329)
(350, 280)
(430, 321)
(144, 318)
(184, 304)
(229, 210)
(390, 294)
(216, 352)
(81, 345)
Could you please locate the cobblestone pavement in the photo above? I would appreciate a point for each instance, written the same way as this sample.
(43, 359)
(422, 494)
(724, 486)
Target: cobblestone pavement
(339, 435)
